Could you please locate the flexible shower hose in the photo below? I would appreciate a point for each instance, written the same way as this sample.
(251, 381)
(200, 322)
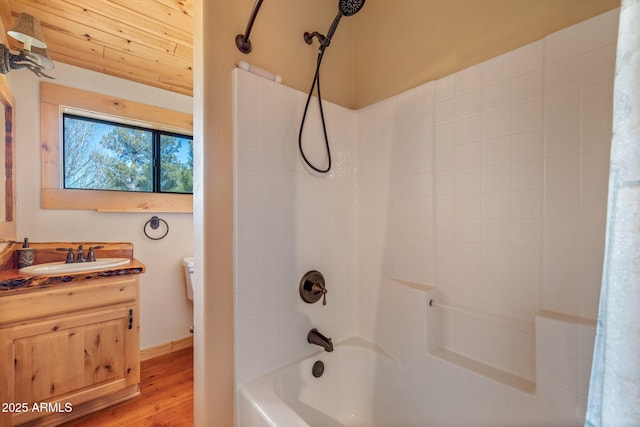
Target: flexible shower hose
(316, 82)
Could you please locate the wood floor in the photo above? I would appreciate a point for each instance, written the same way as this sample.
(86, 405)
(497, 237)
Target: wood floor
(166, 400)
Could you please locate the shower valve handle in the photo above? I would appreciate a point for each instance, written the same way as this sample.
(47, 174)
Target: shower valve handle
(318, 289)
(312, 287)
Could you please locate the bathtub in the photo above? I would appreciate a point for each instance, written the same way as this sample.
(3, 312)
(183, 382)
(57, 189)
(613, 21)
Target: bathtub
(348, 394)
(364, 386)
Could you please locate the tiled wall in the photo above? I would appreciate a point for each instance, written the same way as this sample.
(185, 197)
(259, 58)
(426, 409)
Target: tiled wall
(564, 352)
(491, 184)
(289, 221)
(395, 175)
(579, 71)
(437, 388)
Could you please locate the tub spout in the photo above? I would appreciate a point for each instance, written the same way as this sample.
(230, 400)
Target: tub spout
(315, 337)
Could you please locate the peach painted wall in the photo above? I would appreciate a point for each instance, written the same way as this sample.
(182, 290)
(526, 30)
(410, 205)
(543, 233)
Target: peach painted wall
(402, 44)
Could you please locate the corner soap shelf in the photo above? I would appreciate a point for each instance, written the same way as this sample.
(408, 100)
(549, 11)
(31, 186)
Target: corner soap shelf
(488, 371)
(413, 285)
(485, 370)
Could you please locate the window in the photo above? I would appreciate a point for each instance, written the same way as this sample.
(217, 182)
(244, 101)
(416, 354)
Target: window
(157, 182)
(105, 155)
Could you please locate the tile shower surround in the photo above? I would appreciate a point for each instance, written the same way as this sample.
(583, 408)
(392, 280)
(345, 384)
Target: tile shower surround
(287, 223)
(489, 184)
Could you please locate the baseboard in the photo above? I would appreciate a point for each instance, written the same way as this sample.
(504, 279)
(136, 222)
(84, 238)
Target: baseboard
(162, 349)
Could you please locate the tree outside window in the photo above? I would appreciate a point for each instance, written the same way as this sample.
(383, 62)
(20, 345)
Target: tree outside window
(103, 155)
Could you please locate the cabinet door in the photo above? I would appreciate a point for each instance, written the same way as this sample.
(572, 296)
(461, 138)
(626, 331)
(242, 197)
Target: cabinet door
(54, 358)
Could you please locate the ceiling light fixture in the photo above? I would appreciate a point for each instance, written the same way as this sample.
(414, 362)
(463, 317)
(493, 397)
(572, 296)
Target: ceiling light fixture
(33, 56)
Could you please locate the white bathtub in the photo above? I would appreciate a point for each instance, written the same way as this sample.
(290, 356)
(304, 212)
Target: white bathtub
(363, 386)
(348, 394)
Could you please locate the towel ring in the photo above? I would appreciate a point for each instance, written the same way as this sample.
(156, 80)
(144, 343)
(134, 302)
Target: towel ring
(154, 223)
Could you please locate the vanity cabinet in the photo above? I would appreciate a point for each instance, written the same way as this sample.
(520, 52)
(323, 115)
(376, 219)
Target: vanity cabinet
(68, 350)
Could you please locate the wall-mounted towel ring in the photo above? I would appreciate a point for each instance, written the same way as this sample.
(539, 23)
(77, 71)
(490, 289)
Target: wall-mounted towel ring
(154, 223)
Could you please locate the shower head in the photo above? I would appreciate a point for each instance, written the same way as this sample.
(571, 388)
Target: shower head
(350, 7)
(345, 8)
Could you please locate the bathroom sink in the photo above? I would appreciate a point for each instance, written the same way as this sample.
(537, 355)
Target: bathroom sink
(60, 267)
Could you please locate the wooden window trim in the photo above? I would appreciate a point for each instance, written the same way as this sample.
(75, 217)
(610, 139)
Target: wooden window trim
(53, 100)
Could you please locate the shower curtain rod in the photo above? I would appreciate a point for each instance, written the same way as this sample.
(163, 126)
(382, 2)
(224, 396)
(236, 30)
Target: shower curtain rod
(242, 40)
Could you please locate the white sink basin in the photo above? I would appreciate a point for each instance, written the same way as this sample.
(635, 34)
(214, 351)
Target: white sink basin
(60, 267)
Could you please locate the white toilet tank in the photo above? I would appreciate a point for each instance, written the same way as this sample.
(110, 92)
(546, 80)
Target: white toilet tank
(187, 263)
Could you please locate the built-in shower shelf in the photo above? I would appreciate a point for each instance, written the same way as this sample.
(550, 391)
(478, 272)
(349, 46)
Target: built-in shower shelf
(485, 370)
(413, 285)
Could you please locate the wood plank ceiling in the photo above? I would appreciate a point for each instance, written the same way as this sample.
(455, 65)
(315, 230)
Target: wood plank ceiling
(153, 45)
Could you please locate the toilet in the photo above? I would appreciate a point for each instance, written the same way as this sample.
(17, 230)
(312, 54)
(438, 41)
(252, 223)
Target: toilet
(187, 263)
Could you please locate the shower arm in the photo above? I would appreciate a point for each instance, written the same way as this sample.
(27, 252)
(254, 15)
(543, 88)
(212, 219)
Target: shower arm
(242, 40)
(308, 37)
(322, 39)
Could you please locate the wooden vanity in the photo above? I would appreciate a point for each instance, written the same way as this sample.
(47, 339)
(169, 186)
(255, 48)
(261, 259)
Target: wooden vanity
(69, 344)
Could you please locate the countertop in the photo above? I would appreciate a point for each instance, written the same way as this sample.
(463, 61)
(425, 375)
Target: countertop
(12, 282)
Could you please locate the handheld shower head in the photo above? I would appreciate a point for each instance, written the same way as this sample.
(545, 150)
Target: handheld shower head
(350, 7)
(345, 8)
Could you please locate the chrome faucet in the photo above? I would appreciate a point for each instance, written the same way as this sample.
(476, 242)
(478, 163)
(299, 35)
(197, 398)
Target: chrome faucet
(315, 337)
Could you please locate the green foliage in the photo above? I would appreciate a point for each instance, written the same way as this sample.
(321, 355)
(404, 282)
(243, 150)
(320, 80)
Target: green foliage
(129, 167)
(176, 175)
(103, 156)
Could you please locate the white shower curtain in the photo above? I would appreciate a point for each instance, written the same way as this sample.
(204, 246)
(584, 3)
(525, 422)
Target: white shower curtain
(614, 393)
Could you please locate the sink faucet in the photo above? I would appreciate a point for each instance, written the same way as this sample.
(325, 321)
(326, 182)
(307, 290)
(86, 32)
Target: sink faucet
(91, 256)
(80, 256)
(71, 258)
(315, 337)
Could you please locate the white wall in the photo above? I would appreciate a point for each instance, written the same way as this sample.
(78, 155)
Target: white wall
(289, 221)
(491, 184)
(578, 107)
(166, 314)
